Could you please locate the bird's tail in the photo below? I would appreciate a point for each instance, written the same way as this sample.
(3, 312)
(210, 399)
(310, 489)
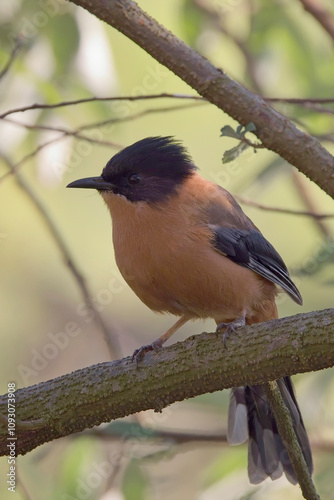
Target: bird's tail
(250, 417)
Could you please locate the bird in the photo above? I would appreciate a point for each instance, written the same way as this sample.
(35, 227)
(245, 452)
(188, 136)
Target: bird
(185, 247)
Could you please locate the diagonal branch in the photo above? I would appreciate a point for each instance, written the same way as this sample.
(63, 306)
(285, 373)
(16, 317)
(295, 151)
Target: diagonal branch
(276, 132)
(111, 390)
(324, 17)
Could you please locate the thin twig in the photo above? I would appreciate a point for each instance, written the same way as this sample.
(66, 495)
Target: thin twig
(18, 165)
(93, 99)
(312, 104)
(76, 134)
(146, 433)
(254, 145)
(289, 100)
(11, 58)
(14, 168)
(281, 210)
(180, 437)
(329, 137)
(118, 464)
(64, 131)
(68, 259)
(309, 202)
(140, 114)
(317, 109)
(301, 100)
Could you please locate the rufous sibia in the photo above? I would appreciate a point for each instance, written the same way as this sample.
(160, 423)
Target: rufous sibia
(185, 247)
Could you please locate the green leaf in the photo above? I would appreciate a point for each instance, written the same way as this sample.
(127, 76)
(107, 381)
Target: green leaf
(228, 131)
(239, 130)
(232, 154)
(250, 127)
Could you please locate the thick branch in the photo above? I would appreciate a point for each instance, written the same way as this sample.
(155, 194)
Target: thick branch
(107, 391)
(274, 130)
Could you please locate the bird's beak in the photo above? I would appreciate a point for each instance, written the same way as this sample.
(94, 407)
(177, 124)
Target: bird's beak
(92, 183)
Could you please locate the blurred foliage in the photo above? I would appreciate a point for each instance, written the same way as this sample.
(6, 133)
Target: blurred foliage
(274, 48)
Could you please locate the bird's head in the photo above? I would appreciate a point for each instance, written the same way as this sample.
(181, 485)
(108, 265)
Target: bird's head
(149, 170)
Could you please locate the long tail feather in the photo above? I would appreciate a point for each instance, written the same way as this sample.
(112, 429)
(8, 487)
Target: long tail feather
(250, 416)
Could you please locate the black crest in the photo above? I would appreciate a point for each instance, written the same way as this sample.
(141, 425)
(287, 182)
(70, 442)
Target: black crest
(160, 163)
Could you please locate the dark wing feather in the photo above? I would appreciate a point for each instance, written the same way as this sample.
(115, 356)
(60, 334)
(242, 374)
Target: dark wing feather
(250, 249)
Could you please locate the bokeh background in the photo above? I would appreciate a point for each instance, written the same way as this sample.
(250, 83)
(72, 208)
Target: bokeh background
(274, 48)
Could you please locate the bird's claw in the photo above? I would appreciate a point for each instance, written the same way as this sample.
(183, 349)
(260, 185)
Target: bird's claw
(229, 328)
(139, 354)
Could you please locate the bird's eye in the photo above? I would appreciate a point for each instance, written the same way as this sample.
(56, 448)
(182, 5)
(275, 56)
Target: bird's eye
(134, 178)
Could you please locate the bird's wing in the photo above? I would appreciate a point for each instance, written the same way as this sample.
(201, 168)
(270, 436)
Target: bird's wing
(248, 248)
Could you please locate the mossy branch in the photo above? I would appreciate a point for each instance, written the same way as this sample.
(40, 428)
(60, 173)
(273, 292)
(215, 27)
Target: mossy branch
(111, 390)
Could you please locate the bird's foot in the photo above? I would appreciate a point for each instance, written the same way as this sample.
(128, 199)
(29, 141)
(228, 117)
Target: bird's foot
(230, 327)
(139, 354)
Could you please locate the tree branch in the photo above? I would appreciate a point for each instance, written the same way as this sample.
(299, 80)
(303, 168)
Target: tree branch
(11, 59)
(75, 102)
(66, 132)
(286, 431)
(107, 391)
(323, 16)
(275, 131)
(289, 211)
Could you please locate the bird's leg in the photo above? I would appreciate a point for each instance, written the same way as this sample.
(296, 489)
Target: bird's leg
(158, 343)
(232, 326)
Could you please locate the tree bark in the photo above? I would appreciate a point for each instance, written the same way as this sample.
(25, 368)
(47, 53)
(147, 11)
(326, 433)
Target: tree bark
(103, 392)
(276, 132)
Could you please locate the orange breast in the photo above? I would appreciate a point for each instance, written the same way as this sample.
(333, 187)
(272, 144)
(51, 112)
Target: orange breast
(166, 256)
